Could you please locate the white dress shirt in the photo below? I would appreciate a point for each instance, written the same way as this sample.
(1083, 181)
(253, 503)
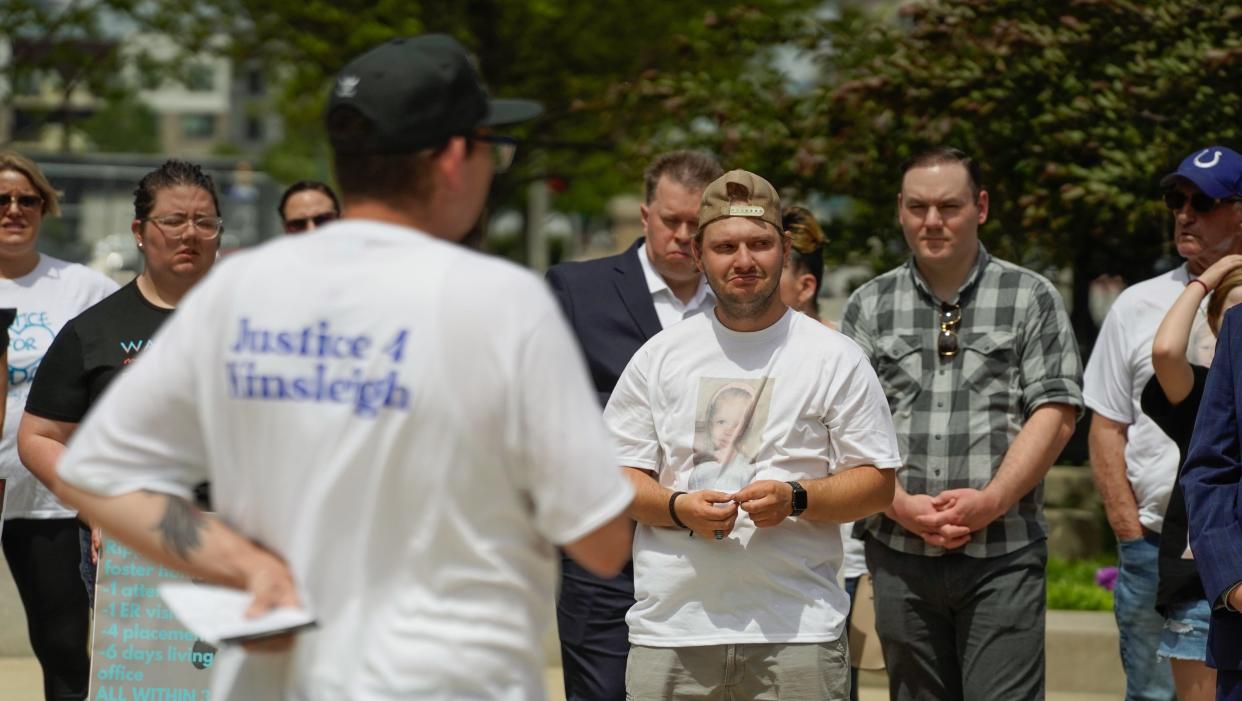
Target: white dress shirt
(668, 307)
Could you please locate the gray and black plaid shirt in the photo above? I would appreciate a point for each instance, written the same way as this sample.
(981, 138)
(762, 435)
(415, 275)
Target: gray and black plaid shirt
(955, 418)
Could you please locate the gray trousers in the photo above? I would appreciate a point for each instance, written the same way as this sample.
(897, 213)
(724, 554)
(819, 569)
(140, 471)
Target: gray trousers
(758, 672)
(958, 627)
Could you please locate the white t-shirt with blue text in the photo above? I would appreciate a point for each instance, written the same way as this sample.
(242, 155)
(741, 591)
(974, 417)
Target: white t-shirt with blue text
(408, 423)
(45, 298)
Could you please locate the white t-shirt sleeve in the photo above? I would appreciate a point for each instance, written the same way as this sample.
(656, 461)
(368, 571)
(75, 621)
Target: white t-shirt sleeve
(145, 432)
(1107, 379)
(574, 483)
(630, 417)
(100, 286)
(859, 423)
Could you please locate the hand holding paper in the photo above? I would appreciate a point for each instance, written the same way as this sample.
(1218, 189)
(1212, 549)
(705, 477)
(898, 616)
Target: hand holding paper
(224, 615)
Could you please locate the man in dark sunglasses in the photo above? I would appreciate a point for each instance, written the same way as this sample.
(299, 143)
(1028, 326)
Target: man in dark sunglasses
(308, 205)
(982, 373)
(1133, 461)
(1204, 195)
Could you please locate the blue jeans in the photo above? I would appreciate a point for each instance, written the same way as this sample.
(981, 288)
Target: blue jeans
(1148, 678)
(1185, 631)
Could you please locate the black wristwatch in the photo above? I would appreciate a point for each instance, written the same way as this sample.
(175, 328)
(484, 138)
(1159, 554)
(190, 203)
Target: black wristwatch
(799, 499)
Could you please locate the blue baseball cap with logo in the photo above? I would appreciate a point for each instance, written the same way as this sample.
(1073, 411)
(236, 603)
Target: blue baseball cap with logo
(1215, 170)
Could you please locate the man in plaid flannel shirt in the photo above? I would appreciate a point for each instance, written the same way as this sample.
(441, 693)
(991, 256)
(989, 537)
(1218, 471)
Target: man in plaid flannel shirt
(983, 377)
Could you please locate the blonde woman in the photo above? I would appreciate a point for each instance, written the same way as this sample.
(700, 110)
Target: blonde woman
(42, 538)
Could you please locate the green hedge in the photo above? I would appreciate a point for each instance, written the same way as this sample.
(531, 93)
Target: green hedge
(1071, 584)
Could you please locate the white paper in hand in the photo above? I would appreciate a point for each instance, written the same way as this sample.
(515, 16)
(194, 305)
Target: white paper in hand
(218, 614)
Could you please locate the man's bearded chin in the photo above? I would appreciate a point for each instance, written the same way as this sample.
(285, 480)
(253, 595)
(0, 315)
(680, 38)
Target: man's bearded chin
(751, 306)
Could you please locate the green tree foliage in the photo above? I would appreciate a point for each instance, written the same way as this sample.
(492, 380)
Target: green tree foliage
(300, 45)
(83, 48)
(123, 125)
(1072, 584)
(579, 59)
(1074, 107)
(57, 47)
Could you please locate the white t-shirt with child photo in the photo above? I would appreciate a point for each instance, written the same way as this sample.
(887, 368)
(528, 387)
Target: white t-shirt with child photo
(702, 406)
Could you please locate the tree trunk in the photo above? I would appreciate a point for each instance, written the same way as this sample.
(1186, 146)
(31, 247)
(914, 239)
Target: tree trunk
(66, 120)
(1080, 318)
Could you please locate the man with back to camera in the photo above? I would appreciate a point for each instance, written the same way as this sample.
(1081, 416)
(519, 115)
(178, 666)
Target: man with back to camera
(397, 429)
(982, 373)
(749, 434)
(614, 305)
(1134, 463)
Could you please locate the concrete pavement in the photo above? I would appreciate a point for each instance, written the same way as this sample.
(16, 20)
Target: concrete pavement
(1083, 662)
(20, 680)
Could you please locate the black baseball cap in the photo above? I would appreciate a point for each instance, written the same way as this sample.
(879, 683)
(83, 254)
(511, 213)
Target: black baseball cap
(416, 92)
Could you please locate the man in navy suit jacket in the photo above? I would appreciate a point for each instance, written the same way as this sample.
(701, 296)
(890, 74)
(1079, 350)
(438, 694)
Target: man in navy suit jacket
(614, 305)
(1212, 483)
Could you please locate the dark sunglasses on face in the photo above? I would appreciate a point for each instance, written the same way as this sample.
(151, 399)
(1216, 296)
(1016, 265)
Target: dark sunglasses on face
(1201, 203)
(503, 148)
(297, 226)
(23, 201)
(946, 340)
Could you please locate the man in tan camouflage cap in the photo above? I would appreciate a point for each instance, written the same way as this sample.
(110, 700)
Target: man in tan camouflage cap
(740, 193)
(748, 434)
(742, 204)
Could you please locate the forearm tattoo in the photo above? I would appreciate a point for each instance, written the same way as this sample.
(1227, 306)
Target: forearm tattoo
(181, 526)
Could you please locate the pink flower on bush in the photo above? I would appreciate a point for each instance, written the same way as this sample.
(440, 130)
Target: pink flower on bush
(1106, 577)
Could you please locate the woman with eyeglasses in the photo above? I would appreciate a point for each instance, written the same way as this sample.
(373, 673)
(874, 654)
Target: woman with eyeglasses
(308, 205)
(177, 229)
(41, 537)
(1171, 398)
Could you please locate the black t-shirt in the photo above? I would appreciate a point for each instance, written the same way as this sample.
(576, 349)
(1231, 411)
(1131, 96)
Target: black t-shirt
(7, 316)
(1179, 578)
(90, 350)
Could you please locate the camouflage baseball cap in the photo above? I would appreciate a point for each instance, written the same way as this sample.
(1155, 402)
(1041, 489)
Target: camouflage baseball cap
(740, 193)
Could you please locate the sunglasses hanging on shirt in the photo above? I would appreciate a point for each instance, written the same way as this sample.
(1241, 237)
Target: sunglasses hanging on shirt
(946, 340)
